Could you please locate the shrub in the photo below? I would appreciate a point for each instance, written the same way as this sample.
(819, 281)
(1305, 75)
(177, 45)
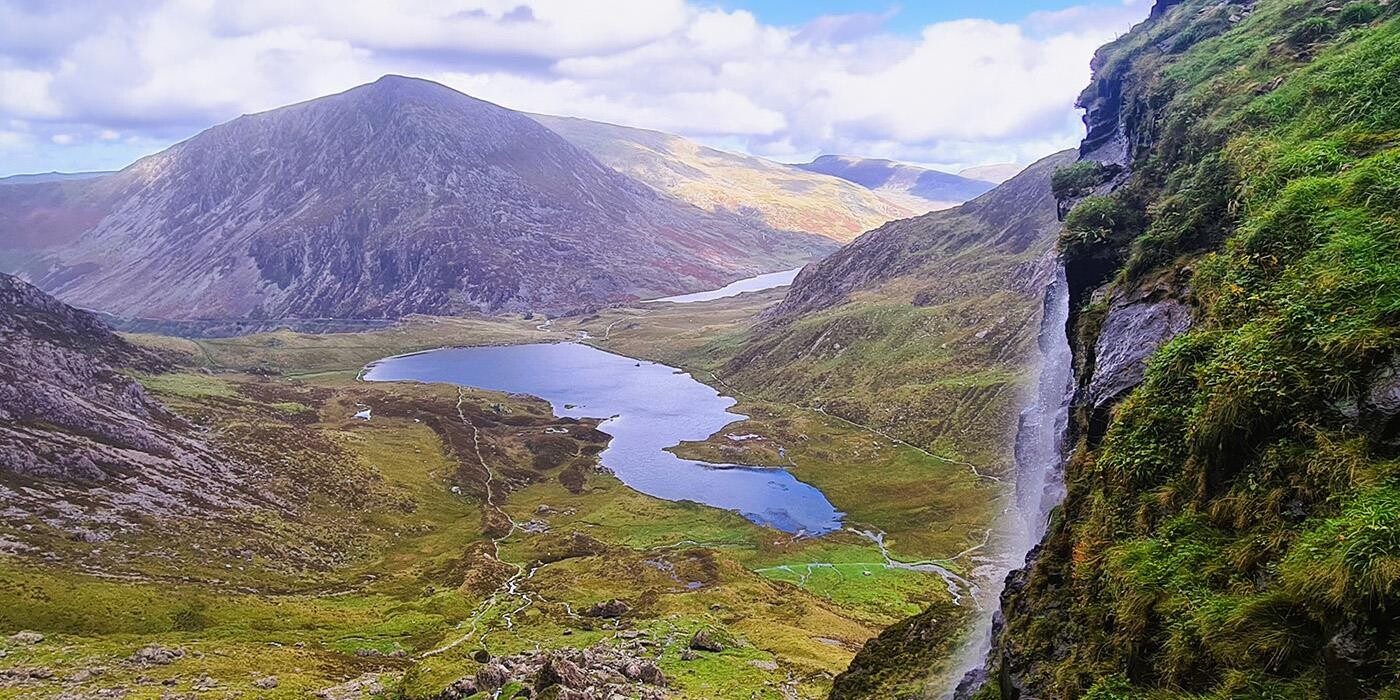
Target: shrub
(1360, 12)
(1077, 179)
(1310, 31)
(1099, 218)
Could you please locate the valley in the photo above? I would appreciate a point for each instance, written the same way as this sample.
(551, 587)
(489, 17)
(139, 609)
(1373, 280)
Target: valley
(481, 523)
(394, 392)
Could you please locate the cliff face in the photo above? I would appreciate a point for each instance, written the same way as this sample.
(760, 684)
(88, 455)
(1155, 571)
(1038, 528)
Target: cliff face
(1232, 519)
(402, 196)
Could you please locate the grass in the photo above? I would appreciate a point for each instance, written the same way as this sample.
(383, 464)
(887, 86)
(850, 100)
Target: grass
(1238, 519)
(385, 561)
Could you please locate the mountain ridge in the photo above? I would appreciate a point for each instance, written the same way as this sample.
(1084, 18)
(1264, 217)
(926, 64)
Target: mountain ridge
(920, 188)
(779, 195)
(400, 196)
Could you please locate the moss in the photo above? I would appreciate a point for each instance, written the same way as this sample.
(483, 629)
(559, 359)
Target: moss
(1236, 520)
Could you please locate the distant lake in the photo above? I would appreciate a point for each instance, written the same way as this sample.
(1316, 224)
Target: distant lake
(751, 284)
(648, 407)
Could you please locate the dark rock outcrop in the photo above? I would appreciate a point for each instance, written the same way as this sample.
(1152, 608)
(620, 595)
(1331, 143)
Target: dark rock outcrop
(608, 609)
(1135, 327)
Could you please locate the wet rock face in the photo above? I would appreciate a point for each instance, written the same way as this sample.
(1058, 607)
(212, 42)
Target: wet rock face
(1133, 330)
(1381, 404)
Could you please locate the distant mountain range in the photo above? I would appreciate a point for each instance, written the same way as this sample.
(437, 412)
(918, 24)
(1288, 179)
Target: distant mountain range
(781, 196)
(917, 188)
(55, 176)
(401, 196)
(996, 173)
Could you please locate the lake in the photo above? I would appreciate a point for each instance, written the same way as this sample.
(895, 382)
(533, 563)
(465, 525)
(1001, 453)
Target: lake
(750, 284)
(648, 407)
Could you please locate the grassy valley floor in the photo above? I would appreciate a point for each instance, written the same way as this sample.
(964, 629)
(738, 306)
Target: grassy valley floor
(456, 522)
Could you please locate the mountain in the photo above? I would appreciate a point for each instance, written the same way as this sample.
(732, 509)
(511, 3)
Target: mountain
(915, 187)
(920, 328)
(401, 196)
(996, 173)
(924, 330)
(1231, 526)
(54, 176)
(74, 429)
(781, 196)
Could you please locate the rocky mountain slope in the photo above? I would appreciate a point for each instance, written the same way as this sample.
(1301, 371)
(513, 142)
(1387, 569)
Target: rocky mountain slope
(781, 196)
(1232, 246)
(396, 197)
(83, 449)
(918, 188)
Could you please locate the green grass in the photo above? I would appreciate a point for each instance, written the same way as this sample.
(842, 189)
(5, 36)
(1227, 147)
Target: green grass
(383, 562)
(1241, 509)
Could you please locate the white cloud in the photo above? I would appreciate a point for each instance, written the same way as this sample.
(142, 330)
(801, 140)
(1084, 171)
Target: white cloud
(14, 140)
(958, 93)
(62, 139)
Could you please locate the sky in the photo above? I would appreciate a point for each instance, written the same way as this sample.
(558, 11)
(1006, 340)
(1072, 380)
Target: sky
(947, 83)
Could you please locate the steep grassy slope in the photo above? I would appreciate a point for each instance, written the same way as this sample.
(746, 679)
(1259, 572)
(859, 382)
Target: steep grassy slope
(920, 328)
(782, 196)
(1232, 526)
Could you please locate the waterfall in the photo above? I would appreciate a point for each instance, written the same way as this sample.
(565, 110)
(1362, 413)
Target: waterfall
(1041, 432)
(1039, 451)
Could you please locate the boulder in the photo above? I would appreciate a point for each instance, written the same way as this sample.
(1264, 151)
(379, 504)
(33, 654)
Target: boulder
(610, 609)
(26, 637)
(492, 676)
(157, 655)
(558, 670)
(705, 640)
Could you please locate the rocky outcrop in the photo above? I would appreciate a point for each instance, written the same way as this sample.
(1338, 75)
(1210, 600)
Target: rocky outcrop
(402, 196)
(1135, 326)
(74, 430)
(603, 670)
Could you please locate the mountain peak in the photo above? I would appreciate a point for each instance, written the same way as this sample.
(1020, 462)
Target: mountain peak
(398, 196)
